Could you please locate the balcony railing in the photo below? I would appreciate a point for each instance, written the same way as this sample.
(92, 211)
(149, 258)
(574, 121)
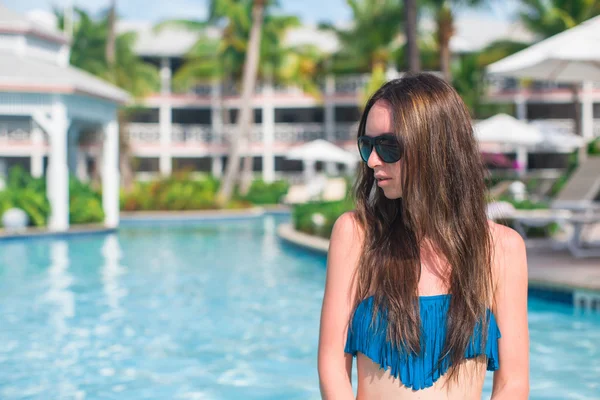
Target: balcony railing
(15, 131)
(344, 84)
(149, 133)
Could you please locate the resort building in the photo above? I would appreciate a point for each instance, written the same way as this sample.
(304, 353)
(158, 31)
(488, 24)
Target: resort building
(47, 107)
(172, 131)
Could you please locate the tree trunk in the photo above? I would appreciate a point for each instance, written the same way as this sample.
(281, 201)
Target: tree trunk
(111, 35)
(245, 118)
(126, 169)
(413, 58)
(247, 168)
(445, 23)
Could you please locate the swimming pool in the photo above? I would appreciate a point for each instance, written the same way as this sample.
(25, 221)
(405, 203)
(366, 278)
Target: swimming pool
(218, 310)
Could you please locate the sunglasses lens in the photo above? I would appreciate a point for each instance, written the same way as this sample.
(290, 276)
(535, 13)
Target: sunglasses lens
(389, 153)
(364, 147)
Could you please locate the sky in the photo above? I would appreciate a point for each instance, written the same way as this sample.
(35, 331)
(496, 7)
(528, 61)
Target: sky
(310, 11)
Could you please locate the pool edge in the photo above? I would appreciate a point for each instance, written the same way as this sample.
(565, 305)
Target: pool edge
(553, 291)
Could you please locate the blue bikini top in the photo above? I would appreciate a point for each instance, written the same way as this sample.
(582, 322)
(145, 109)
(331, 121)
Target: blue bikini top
(422, 370)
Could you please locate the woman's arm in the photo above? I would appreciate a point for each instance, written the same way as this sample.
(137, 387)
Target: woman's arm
(335, 366)
(511, 381)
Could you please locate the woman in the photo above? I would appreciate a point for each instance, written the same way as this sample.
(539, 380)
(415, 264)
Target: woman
(421, 287)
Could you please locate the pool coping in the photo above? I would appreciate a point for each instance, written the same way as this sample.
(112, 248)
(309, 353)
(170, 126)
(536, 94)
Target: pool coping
(146, 217)
(540, 285)
(75, 230)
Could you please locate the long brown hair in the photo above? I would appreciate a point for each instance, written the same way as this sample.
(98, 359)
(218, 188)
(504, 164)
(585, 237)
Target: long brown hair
(443, 204)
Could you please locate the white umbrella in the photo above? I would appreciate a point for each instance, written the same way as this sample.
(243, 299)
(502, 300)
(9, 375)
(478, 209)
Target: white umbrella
(503, 128)
(507, 130)
(570, 56)
(320, 150)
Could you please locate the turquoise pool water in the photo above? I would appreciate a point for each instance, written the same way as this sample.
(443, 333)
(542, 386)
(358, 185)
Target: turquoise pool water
(203, 311)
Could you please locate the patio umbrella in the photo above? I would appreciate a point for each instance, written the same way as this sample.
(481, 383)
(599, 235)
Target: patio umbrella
(570, 56)
(507, 130)
(502, 128)
(320, 150)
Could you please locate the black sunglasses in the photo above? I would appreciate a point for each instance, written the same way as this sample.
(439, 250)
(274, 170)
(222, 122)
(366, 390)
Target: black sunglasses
(387, 146)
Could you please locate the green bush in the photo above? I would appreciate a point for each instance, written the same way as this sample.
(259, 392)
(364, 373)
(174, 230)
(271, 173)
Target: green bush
(594, 147)
(85, 204)
(176, 193)
(302, 216)
(29, 194)
(266, 193)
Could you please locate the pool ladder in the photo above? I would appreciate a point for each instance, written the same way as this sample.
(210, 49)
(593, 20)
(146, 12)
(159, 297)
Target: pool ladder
(586, 301)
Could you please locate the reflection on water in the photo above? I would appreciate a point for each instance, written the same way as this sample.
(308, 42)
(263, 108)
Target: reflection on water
(111, 272)
(59, 293)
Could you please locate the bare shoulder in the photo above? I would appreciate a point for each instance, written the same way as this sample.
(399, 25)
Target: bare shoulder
(509, 257)
(347, 230)
(505, 239)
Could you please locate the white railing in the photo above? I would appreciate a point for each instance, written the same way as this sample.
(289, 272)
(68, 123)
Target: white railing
(284, 132)
(181, 133)
(15, 131)
(344, 84)
(143, 132)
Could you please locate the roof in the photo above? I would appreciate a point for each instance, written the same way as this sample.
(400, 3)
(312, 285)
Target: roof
(11, 21)
(24, 74)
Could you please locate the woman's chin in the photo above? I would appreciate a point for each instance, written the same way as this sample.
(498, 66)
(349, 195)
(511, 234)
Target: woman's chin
(391, 194)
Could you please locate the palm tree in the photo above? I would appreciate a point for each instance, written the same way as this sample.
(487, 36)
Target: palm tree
(93, 50)
(547, 18)
(223, 58)
(369, 45)
(245, 118)
(468, 76)
(444, 16)
(413, 59)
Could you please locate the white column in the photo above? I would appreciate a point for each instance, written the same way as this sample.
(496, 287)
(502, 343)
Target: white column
(165, 119)
(217, 166)
(58, 172)
(521, 104)
(522, 160)
(587, 110)
(37, 155)
(110, 174)
(268, 125)
(216, 121)
(330, 167)
(72, 148)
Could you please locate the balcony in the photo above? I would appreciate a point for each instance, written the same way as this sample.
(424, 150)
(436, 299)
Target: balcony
(344, 84)
(285, 133)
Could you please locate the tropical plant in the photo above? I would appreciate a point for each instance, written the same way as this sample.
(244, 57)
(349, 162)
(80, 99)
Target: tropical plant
(369, 44)
(317, 218)
(223, 58)
(29, 194)
(549, 17)
(468, 76)
(444, 11)
(266, 193)
(97, 48)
